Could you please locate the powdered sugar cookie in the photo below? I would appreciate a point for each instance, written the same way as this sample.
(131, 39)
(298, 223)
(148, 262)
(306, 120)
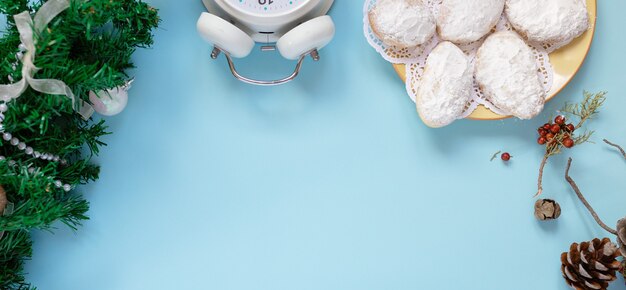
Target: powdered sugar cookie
(445, 87)
(402, 23)
(551, 21)
(506, 71)
(464, 21)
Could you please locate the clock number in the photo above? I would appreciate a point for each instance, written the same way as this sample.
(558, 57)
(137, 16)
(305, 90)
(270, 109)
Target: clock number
(264, 2)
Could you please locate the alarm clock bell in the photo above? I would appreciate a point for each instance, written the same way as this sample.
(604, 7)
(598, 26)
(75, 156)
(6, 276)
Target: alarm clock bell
(296, 28)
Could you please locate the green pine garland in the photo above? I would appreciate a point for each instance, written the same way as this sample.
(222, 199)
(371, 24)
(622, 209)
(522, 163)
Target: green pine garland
(89, 47)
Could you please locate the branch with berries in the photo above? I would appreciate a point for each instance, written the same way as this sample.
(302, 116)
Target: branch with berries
(560, 134)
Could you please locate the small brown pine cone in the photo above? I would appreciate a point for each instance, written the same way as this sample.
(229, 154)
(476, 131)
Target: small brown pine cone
(590, 265)
(547, 209)
(621, 236)
(3, 199)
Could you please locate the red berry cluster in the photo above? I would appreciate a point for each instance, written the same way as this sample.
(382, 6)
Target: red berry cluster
(549, 131)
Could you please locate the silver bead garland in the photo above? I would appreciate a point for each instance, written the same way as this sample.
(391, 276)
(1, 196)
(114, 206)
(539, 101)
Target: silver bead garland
(7, 136)
(31, 170)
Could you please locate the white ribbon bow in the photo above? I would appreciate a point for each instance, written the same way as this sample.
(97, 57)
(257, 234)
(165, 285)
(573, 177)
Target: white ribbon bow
(26, 27)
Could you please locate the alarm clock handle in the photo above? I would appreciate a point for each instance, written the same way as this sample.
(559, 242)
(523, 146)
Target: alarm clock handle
(313, 34)
(216, 52)
(225, 35)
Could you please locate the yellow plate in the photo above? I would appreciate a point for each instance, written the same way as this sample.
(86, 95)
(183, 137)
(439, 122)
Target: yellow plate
(566, 62)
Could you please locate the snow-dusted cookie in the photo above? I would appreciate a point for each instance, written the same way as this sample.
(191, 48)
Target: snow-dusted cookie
(506, 71)
(552, 21)
(402, 23)
(445, 87)
(464, 21)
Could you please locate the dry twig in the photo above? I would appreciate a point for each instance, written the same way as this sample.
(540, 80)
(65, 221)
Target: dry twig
(621, 150)
(584, 200)
(539, 182)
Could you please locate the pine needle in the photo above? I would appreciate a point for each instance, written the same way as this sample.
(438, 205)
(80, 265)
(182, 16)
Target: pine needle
(495, 155)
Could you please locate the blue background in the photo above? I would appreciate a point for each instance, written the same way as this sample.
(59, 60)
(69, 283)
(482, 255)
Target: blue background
(330, 182)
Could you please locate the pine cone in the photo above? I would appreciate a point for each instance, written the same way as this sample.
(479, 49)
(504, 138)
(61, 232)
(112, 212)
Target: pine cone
(621, 236)
(590, 265)
(547, 209)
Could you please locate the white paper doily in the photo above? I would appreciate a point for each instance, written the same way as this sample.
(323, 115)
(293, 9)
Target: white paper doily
(415, 58)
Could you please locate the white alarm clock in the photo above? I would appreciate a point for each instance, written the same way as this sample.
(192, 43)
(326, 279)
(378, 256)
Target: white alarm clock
(296, 28)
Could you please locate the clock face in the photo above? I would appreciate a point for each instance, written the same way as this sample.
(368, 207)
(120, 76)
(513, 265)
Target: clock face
(267, 7)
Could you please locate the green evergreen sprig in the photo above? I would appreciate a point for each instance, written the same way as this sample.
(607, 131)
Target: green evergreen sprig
(89, 47)
(584, 111)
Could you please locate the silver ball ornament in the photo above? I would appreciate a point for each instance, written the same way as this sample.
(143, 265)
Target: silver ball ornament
(109, 102)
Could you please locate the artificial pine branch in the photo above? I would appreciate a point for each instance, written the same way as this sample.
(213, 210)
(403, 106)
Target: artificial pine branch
(88, 47)
(584, 111)
(15, 246)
